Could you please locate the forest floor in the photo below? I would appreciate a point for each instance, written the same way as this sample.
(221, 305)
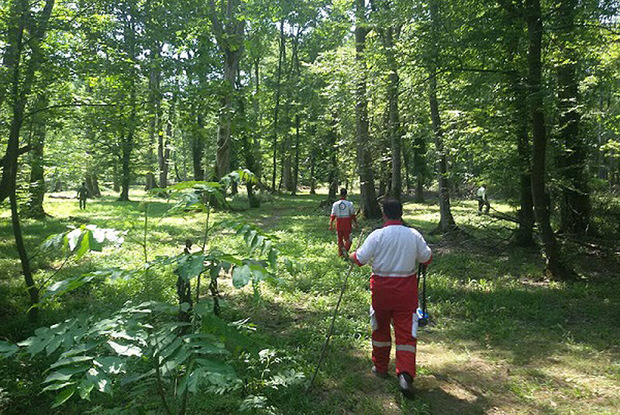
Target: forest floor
(502, 338)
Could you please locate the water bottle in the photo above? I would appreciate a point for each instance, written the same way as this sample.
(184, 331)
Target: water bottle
(422, 317)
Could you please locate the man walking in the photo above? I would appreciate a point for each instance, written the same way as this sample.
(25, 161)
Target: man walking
(82, 195)
(483, 200)
(344, 215)
(394, 252)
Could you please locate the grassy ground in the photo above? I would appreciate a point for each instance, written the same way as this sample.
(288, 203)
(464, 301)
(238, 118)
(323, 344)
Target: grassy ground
(502, 340)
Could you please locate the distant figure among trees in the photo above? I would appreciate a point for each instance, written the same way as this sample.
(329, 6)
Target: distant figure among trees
(343, 213)
(82, 195)
(483, 200)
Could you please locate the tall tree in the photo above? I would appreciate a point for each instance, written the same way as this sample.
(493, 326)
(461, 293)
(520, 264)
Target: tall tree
(228, 26)
(446, 220)
(575, 202)
(556, 266)
(27, 29)
(369, 207)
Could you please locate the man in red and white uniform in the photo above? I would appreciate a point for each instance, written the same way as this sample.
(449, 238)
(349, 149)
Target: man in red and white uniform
(394, 252)
(344, 215)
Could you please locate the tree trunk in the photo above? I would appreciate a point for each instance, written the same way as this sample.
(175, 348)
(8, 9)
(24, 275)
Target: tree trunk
(198, 148)
(556, 267)
(34, 207)
(127, 140)
(19, 88)
(394, 131)
(276, 110)
(407, 164)
(419, 167)
(575, 202)
(525, 231)
(155, 98)
(369, 207)
(228, 28)
(446, 220)
(333, 168)
(19, 85)
(296, 159)
(126, 148)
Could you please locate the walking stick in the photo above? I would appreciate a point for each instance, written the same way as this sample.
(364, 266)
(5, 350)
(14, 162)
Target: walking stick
(331, 327)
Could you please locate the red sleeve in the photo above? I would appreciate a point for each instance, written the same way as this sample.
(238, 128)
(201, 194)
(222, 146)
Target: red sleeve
(332, 217)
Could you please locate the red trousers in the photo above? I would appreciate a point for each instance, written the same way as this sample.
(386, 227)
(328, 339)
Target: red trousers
(405, 324)
(344, 242)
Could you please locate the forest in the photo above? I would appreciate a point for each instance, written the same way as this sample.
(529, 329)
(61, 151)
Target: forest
(168, 170)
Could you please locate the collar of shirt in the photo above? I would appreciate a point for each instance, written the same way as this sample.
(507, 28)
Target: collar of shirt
(392, 222)
(343, 198)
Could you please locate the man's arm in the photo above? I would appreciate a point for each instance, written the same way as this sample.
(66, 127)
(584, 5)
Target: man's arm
(332, 218)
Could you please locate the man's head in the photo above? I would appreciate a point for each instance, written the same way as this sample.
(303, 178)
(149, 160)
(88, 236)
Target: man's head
(392, 209)
(343, 192)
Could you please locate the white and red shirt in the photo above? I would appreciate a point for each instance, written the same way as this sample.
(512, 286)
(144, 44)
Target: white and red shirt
(394, 253)
(344, 213)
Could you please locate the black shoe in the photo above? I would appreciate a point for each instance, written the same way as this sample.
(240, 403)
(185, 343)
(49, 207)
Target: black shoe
(404, 383)
(382, 375)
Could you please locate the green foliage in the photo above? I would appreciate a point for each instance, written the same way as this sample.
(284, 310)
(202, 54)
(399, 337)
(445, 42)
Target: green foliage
(138, 344)
(79, 241)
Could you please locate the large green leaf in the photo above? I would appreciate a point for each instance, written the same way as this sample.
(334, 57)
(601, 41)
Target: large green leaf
(241, 276)
(70, 360)
(69, 284)
(7, 349)
(191, 266)
(64, 396)
(64, 374)
(125, 350)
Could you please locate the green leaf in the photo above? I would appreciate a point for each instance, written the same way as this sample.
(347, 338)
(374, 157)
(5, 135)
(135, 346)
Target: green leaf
(63, 396)
(273, 257)
(100, 380)
(71, 360)
(85, 388)
(131, 379)
(72, 239)
(70, 284)
(241, 276)
(125, 350)
(110, 364)
(64, 374)
(56, 386)
(8, 349)
(83, 246)
(192, 266)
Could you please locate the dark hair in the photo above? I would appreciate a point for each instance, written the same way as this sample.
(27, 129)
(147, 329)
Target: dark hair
(392, 208)
(343, 192)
